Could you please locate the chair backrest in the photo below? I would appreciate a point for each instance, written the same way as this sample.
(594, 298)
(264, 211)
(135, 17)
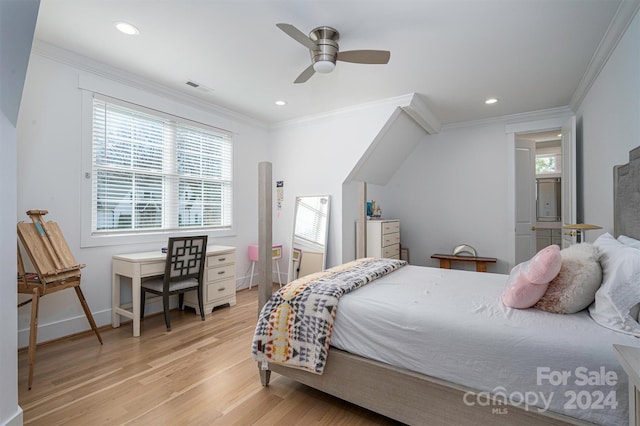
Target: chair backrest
(185, 258)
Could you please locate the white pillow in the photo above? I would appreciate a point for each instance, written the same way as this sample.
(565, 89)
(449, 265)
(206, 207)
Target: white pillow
(617, 300)
(631, 242)
(628, 241)
(574, 288)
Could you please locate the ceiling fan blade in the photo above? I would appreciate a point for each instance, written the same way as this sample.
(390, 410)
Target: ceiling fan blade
(305, 75)
(297, 35)
(365, 56)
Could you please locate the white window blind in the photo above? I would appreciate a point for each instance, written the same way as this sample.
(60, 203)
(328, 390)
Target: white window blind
(152, 172)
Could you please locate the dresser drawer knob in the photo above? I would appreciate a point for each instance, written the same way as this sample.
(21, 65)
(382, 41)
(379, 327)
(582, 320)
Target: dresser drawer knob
(221, 273)
(222, 259)
(222, 289)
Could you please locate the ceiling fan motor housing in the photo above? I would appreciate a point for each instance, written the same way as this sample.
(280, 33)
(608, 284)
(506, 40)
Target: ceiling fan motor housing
(326, 40)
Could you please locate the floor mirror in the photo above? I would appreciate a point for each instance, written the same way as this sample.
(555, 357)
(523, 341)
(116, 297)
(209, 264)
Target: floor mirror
(310, 231)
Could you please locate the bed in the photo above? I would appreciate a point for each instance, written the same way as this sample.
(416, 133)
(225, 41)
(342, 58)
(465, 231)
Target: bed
(468, 359)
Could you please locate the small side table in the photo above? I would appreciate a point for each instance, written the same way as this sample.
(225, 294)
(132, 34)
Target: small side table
(629, 358)
(481, 262)
(276, 254)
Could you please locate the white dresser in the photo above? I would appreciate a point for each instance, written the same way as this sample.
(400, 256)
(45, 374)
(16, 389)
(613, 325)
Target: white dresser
(219, 287)
(383, 238)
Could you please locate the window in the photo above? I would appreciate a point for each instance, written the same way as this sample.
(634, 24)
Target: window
(154, 172)
(547, 163)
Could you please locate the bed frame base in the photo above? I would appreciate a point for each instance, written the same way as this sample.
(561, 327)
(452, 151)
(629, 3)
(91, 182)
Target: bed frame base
(409, 397)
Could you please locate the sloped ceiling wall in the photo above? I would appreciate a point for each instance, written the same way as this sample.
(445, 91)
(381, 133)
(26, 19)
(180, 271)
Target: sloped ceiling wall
(17, 23)
(394, 143)
(397, 139)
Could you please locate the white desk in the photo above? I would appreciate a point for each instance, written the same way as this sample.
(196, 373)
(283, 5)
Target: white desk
(146, 264)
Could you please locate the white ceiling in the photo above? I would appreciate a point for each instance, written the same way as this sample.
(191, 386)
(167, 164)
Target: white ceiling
(531, 54)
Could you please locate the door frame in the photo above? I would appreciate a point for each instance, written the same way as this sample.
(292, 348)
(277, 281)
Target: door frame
(555, 121)
(525, 231)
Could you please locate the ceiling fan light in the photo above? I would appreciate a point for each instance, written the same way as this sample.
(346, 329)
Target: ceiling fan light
(324, 67)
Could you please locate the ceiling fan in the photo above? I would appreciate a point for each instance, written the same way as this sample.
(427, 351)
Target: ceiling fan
(323, 46)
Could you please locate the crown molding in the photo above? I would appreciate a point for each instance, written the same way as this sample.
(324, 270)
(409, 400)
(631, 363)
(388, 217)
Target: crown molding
(625, 14)
(544, 114)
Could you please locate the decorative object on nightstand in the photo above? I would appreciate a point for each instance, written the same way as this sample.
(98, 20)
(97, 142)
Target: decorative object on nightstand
(578, 230)
(276, 254)
(464, 250)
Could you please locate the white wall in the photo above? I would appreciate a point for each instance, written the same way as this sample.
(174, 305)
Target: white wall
(452, 190)
(610, 120)
(17, 24)
(49, 177)
(315, 156)
(9, 409)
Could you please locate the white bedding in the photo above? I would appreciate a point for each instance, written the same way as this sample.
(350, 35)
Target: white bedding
(452, 325)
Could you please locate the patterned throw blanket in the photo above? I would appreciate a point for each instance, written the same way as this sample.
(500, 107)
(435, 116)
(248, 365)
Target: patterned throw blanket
(294, 326)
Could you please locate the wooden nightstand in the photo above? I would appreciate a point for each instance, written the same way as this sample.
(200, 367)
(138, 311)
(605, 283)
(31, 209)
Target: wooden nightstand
(481, 262)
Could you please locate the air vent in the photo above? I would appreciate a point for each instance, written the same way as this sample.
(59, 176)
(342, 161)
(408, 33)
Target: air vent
(198, 86)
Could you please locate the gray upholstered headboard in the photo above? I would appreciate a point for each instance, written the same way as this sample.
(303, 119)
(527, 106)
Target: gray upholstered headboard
(626, 196)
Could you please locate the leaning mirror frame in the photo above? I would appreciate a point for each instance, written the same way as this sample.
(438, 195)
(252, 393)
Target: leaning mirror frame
(308, 252)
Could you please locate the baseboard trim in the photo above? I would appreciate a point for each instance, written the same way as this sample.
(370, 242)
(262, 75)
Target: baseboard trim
(16, 420)
(62, 329)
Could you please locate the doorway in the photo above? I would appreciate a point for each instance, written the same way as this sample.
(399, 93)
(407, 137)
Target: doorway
(544, 156)
(538, 192)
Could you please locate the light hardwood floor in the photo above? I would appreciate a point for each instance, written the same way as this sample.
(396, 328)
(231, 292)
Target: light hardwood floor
(201, 373)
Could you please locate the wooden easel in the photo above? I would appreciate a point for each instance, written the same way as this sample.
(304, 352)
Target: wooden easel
(56, 269)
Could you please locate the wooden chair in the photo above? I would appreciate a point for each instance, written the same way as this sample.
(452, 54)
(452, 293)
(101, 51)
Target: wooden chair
(56, 270)
(184, 270)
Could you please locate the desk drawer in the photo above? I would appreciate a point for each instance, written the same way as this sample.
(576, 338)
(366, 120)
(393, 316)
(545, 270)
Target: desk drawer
(220, 273)
(220, 289)
(220, 259)
(149, 269)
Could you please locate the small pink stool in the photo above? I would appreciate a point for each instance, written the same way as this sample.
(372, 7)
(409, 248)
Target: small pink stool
(276, 253)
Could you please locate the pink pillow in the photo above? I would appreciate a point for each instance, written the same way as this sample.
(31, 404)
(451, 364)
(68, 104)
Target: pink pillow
(529, 280)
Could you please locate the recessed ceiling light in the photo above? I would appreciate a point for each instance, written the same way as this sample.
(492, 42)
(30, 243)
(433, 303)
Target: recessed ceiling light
(126, 28)
(559, 135)
(491, 101)
(281, 103)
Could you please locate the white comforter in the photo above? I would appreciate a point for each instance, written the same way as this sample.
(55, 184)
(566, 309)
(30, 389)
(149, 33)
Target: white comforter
(451, 325)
